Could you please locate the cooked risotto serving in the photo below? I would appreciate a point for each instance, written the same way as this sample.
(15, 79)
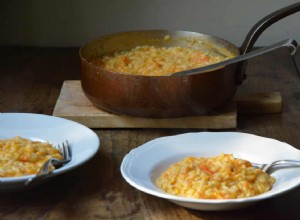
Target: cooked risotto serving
(220, 177)
(156, 61)
(21, 156)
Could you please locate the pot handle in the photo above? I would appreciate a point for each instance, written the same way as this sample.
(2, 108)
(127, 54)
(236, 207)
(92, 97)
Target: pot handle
(257, 30)
(289, 43)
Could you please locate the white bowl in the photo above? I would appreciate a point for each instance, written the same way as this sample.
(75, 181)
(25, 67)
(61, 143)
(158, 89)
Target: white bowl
(143, 165)
(84, 142)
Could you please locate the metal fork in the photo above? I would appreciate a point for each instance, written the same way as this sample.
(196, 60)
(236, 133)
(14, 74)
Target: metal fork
(282, 163)
(66, 151)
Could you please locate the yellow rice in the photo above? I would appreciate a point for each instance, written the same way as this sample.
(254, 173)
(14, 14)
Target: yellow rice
(20, 156)
(220, 177)
(156, 61)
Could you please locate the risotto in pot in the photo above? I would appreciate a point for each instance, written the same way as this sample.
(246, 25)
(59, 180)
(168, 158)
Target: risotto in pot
(156, 61)
(220, 177)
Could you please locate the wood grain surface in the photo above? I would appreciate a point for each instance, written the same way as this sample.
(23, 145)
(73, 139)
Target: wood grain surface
(31, 80)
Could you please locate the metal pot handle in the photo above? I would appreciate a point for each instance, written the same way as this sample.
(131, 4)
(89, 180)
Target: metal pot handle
(289, 43)
(257, 30)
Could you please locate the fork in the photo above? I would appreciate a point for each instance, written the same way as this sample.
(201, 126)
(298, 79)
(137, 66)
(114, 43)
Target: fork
(45, 169)
(286, 163)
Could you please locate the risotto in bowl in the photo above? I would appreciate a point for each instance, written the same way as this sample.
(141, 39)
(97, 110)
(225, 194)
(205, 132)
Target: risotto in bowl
(28, 140)
(210, 170)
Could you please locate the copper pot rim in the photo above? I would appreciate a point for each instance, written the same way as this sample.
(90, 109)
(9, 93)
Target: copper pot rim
(102, 37)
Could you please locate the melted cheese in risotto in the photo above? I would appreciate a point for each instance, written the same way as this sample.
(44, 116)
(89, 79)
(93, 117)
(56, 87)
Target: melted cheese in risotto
(20, 156)
(220, 177)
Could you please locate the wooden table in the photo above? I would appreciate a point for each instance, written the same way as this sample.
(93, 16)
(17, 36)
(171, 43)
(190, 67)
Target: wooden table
(30, 81)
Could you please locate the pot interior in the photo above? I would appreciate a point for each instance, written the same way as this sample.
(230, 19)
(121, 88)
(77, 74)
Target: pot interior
(161, 38)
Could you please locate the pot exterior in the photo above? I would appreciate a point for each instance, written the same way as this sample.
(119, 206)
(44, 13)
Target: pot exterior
(158, 97)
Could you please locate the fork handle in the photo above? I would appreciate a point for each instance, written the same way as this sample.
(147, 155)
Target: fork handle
(281, 162)
(43, 172)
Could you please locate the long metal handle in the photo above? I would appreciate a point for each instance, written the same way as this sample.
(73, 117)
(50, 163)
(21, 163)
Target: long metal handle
(266, 22)
(290, 43)
(257, 30)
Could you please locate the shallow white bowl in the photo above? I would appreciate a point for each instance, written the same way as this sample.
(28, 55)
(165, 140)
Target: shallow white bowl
(84, 142)
(143, 165)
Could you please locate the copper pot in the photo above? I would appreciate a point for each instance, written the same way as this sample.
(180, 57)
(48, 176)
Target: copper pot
(167, 96)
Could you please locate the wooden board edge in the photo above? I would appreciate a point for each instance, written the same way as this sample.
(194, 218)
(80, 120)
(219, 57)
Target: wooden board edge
(129, 122)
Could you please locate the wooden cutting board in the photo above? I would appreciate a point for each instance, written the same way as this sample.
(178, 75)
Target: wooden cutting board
(72, 104)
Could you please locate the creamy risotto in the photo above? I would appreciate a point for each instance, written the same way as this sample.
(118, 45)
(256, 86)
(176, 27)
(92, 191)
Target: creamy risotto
(220, 177)
(156, 61)
(20, 156)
